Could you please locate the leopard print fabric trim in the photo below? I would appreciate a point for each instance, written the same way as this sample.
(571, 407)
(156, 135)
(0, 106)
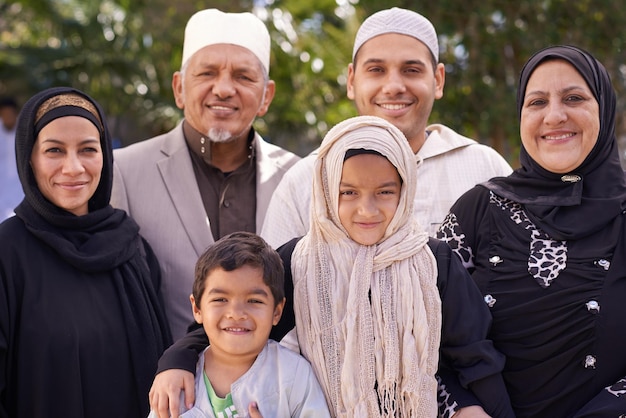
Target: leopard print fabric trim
(450, 232)
(447, 407)
(618, 389)
(547, 257)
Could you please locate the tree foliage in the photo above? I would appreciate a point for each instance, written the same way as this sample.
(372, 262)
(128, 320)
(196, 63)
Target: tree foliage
(124, 52)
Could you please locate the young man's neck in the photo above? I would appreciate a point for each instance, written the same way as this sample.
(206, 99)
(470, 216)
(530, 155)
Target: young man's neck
(417, 142)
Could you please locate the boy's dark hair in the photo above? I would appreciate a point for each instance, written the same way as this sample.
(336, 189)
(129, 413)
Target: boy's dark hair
(237, 250)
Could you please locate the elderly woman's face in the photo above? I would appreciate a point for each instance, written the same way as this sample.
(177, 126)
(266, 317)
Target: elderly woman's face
(560, 118)
(67, 162)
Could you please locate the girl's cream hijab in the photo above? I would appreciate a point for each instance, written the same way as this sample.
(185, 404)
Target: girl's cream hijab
(368, 318)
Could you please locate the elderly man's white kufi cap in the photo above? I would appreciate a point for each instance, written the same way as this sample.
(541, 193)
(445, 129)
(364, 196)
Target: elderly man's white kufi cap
(402, 21)
(212, 26)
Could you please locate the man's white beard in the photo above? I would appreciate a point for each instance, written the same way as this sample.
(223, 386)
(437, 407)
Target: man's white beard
(219, 135)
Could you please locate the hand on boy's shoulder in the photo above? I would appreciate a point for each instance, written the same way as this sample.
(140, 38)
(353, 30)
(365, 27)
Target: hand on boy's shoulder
(172, 392)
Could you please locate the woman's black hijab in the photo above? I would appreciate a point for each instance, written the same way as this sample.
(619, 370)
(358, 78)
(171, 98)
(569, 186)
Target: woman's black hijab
(29, 125)
(576, 204)
(105, 240)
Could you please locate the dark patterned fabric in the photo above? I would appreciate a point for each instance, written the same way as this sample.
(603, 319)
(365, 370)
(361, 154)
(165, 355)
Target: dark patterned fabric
(549, 259)
(558, 306)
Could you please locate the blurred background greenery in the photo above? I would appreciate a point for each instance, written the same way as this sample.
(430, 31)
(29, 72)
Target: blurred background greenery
(124, 52)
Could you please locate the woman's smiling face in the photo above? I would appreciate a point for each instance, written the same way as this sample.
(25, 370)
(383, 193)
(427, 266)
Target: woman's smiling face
(67, 162)
(560, 118)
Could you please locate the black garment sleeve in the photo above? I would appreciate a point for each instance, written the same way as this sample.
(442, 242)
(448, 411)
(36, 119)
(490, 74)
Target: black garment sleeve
(183, 354)
(470, 366)
(155, 276)
(610, 402)
(288, 319)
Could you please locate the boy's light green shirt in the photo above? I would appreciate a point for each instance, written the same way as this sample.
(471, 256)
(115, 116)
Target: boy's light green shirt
(222, 407)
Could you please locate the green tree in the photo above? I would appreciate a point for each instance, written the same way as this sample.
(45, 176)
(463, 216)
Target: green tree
(124, 52)
(485, 43)
(312, 44)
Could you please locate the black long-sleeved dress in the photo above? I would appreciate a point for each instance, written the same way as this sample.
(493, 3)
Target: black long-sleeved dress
(558, 307)
(76, 343)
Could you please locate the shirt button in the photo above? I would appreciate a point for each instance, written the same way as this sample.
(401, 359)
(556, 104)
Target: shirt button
(226, 204)
(590, 362)
(495, 260)
(490, 300)
(605, 264)
(593, 306)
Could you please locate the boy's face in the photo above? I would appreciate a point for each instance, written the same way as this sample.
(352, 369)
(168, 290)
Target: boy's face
(369, 194)
(237, 311)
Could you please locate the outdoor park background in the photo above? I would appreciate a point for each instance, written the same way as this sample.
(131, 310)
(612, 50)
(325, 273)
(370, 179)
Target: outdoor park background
(124, 52)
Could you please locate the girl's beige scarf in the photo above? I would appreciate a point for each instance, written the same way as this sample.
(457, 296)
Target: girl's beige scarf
(368, 318)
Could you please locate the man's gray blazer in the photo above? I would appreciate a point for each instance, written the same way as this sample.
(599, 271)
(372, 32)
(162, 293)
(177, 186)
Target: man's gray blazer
(154, 182)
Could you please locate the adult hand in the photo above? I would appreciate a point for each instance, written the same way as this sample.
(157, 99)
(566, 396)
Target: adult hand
(165, 392)
(474, 411)
(253, 410)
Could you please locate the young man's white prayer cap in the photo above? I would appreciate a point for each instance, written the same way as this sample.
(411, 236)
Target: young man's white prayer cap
(397, 20)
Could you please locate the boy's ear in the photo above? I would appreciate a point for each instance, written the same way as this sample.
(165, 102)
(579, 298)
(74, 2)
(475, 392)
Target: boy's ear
(197, 314)
(278, 311)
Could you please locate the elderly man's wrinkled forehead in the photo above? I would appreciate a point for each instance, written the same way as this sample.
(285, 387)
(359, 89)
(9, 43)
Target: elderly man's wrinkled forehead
(213, 55)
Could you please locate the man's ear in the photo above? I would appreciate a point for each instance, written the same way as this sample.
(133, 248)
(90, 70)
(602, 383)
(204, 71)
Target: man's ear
(350, 82)
(177, 88)
(440, 80)
(268, 96)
